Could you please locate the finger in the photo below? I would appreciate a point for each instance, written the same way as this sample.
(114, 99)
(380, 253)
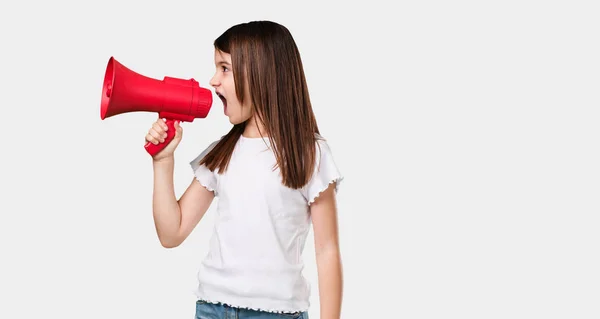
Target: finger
(163, 124)
(151, 139)
(178, 129)
(158, 128)
(160, 136)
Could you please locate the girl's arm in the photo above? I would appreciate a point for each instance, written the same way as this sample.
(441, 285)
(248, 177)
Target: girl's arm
(175, 219)
(329, 265)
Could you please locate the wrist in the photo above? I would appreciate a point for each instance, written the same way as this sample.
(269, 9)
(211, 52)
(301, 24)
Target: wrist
(164, 160)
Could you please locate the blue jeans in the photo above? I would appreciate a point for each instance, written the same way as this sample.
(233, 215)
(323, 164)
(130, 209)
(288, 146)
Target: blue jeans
(207, 310)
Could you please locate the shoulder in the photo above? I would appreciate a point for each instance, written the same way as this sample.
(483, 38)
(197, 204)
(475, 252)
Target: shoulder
(324, 154)
(326, 171)
(323, 147)
(195, 162)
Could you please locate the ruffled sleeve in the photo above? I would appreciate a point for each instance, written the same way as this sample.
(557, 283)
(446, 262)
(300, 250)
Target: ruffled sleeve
(206, 178)
(326, 172)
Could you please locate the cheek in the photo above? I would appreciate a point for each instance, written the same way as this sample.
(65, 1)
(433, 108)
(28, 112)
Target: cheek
(236, 111)
(244, 108)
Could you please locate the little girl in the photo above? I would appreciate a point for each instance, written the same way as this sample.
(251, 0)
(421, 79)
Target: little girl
(273, 175)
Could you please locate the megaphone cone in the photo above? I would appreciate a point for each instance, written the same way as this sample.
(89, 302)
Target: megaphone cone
(174, 99)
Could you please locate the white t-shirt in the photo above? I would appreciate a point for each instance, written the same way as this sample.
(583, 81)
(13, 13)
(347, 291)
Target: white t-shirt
(255, 253)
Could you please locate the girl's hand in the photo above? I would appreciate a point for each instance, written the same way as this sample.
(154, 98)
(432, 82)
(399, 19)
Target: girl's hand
(158, 133)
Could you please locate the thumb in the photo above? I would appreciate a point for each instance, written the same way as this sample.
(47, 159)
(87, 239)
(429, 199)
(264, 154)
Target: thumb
(178, 129)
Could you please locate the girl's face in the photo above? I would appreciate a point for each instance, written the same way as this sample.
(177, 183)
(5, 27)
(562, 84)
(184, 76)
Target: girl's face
(224, 86)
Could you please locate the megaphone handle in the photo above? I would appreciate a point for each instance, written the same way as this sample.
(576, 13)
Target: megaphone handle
(154, 149)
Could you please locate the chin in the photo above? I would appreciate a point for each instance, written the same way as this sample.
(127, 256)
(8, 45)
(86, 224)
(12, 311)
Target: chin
(237, 119)
(234, 121)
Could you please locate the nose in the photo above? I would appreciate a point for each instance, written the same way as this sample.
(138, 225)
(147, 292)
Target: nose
(214, 81)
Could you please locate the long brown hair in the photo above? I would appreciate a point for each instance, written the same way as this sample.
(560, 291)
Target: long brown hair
(265, 57)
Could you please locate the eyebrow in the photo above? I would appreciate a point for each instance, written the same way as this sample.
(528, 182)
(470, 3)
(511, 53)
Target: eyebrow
(223, 62)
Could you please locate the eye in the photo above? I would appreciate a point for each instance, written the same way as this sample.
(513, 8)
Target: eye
(224, 69)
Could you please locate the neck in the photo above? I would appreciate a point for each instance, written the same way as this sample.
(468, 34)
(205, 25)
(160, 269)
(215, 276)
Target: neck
(252, 129)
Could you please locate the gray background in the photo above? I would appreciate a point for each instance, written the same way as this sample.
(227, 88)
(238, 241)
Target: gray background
(467, 132)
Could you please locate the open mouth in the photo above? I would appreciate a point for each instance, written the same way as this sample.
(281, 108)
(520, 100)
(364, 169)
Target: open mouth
(223, 99)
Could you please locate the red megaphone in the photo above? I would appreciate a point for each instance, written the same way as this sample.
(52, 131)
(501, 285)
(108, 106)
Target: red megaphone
(172, 98)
